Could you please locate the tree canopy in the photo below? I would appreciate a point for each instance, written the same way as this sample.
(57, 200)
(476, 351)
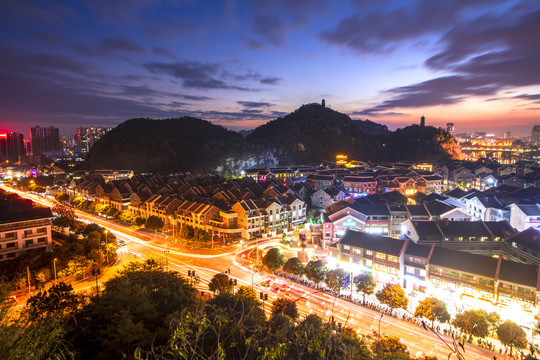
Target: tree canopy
(220, 284)
(273, 259)
(472, 322)
(315, 271)
(334, 279)
(365, 284)
(294, 266)
(511, 334)
(432, 309)
(284, 306)
(134, 309)
(393, 296)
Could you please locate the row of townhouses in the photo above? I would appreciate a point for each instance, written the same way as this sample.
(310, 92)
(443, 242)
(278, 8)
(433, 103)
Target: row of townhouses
(436, 270)
(227, 209)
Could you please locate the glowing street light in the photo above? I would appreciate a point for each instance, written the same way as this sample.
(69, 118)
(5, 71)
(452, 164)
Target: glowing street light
(54, 265)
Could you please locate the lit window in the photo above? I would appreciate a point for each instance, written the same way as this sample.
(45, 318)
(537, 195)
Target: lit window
(369, 252)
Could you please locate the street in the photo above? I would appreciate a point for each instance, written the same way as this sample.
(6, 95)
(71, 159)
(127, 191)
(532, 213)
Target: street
(206, 263)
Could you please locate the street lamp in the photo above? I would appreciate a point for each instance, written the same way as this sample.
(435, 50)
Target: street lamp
(166, 259)
(54, 265)
(106, 246)
(172, 221)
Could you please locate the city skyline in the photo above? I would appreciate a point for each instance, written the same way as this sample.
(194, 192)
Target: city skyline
(241, 64)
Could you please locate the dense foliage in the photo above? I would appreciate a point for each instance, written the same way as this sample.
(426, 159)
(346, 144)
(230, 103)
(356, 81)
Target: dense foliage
(184, 144)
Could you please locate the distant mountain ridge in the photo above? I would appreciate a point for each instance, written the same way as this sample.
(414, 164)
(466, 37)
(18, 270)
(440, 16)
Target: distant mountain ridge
(309, 135)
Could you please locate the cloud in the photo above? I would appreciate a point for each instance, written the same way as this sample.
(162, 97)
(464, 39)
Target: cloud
(252, 111)
(270, 29)
(254, 104)
(271, 80)
(200, 75)
(164, 52)
(484, 53)
(112, 45)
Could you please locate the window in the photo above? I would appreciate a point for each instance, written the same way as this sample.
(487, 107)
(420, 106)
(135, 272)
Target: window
(368, 263)
(28, 242)
(380, 256)
(42, 240)
(27, 232)
(357, 251)
(11, 235)
(11, 245)
(346, 247)
(393, 258)
(369, 252)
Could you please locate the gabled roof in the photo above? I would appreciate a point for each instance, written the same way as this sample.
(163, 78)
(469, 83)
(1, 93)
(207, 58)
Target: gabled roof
(462, 261)
(530, 210)
(437, 208)
(518, 273)
(456, 193)
(371, 210)
(382, 244)
(418, 250)
(529, 238)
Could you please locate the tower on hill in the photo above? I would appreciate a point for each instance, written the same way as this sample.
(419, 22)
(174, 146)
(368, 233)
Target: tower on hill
(423, 121)
(323, 103)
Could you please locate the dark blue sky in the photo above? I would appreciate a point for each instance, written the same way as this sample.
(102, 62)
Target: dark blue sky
(241, 63)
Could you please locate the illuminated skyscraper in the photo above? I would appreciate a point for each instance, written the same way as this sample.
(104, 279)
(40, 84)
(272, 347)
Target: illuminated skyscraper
(535, 135)
(45, 141)
(12, 146)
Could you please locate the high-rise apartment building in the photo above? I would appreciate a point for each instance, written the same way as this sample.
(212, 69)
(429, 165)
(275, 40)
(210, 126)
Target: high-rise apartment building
(45, 141)
(86, 137)
(12, 147)
(535, 135)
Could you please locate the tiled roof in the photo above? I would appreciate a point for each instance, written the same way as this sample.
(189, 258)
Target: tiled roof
(377, 243)
(463, 261)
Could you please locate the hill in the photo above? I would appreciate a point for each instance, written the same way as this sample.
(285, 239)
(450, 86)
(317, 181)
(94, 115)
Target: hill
(370, 127)
(311, 134)
(183, 144)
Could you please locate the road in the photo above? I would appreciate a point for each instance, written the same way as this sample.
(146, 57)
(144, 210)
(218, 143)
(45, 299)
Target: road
(207, 263)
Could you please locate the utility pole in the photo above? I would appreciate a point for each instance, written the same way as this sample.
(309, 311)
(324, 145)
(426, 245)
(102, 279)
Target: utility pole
(106, 246)
(167, 259)
(28, 274)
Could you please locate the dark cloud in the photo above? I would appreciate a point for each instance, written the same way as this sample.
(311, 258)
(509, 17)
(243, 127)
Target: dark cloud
(200, 75)
(252, 111)
(485, 54)
(271, 29)
(120, 45)
(528, 96)
(254, 104)
(271, 80)
(164, 52)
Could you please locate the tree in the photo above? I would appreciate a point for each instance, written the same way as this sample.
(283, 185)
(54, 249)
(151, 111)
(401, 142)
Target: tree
(393, 296)
(139, 221)
(365, 284)
(220, 284)
(62, 197)
(432, 309)
(511, 334)
(134, 309)
(493, 318)
(273, 259)
(126, 216)
(334, 279)
(153, 223)
(472, 322)
(247, 291)
(187, 232)
(316, 271)
(389, 345)
(59, 299)
(294, 266)
(285, 306)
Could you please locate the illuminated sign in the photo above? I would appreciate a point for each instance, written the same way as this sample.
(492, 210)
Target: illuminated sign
(349, 223)
(410, 191)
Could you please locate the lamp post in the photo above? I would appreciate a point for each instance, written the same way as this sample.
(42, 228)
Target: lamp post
(171, 220)
(54, 265)
(166, 259)
(107, 246)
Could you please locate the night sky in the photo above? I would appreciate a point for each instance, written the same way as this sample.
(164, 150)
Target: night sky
(241, 63)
